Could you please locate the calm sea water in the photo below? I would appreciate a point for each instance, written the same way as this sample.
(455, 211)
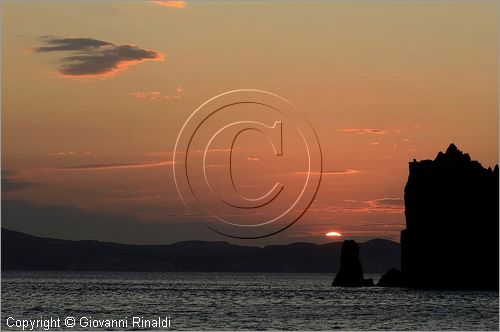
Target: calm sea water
(217, 301)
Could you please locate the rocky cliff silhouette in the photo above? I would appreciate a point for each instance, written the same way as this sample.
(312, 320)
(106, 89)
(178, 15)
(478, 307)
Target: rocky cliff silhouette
(452, 214)
(351, 272)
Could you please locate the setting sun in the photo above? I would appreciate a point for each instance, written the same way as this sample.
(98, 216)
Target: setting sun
(333, 234)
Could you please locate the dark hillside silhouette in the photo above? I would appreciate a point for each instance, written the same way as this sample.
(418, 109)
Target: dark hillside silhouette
(451, 237)
(26, 252)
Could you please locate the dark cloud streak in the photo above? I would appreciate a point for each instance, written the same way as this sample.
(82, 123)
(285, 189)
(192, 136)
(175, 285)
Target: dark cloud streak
(70, 44)
(364, 131)
(118, 165)
(67, 222)
(10, 183)
(95, 58)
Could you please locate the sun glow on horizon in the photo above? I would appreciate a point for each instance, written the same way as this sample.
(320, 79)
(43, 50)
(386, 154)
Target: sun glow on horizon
(175, 3)
(333, 234)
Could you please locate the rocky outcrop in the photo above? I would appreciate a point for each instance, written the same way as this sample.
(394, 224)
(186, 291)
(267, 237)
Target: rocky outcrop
(392, 278)
(351, 272)
(451, 237)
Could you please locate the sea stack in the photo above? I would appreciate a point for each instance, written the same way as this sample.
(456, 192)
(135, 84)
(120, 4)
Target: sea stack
(351, 272)
(451, 237)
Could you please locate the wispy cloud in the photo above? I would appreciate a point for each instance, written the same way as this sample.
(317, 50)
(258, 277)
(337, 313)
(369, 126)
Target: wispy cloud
(395, 202)
(389, 205)
(364, 131)
(107, 166)
(54, 44)
(246, 186)
(146, 95)
(332, 172)
(156, 95)
(171, 153)
(11, 182)
(68, 153)
(341, 172)
(91, 58)
(175, 4)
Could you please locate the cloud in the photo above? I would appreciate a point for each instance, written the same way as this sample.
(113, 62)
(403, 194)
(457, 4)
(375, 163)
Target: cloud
(396, 202)
(11, 183)
(331, 172)
(105, 166)
(67, 222)
(92, 58)
(387, 205)
(172, 97)
(70, 44)
(146, 95)
(155, 95)
(364, 131)
(68, 153)
(171, 153)
(252, 159)
(175, 4)
(391, 205)
(341, 172)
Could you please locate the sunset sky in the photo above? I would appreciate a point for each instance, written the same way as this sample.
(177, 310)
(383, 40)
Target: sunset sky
(94, 95)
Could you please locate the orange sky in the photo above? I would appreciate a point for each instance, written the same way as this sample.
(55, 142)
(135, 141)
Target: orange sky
(94, 95)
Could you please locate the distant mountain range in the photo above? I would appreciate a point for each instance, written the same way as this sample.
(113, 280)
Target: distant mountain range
(22, 251)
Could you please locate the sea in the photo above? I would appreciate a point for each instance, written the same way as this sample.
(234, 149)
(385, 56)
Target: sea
(231, 301)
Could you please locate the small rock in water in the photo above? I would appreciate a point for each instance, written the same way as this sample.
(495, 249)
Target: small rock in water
(392, 278)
